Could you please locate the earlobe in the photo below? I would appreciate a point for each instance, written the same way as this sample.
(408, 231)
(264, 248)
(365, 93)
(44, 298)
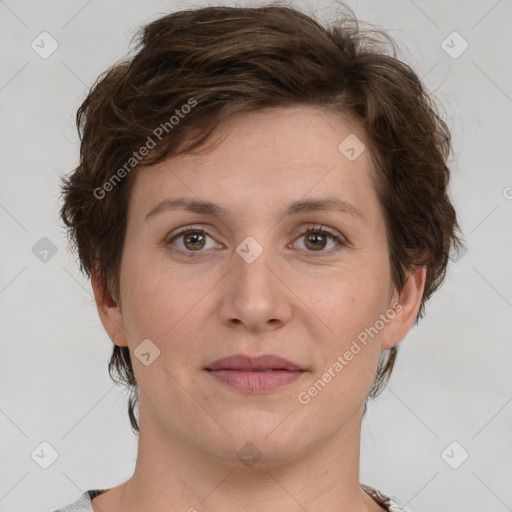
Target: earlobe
(108, 311)
(405, 303)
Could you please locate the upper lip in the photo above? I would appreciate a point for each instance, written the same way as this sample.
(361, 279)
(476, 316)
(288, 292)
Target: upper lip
(246, 363)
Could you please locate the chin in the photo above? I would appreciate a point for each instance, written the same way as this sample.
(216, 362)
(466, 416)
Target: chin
(258, 439)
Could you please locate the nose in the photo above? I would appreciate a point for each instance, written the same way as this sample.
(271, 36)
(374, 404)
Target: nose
(255, 295)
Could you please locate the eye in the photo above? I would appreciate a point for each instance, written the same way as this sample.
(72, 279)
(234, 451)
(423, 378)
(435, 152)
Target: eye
(193, 240)
(316, 238)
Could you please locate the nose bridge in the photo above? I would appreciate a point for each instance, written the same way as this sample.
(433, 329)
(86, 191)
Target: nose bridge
(253, 279)
(255, 295)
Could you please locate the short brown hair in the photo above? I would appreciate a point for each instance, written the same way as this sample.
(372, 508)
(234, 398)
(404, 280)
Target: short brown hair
(224, 60)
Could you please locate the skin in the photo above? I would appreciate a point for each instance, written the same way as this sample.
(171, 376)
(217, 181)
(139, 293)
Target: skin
(301, 299)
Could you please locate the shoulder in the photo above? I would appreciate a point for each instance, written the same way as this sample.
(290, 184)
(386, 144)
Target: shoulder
(390, 503)
(83, 503)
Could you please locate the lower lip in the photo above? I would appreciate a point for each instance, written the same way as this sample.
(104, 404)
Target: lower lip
(257, 381)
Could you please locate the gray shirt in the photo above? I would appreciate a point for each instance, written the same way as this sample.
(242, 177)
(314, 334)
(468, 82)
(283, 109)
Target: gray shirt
(83, 504)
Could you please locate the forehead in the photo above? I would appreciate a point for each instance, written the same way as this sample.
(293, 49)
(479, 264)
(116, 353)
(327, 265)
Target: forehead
(303, 135)
(268, 156)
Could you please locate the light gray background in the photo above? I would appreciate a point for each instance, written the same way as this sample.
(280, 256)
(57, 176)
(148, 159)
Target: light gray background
(453, 379)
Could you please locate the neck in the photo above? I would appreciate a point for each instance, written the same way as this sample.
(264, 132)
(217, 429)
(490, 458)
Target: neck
(171, 474)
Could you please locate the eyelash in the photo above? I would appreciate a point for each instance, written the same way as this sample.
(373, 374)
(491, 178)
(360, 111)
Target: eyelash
(316, 229)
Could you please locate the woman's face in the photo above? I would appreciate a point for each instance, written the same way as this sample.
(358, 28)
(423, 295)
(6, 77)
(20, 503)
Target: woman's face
(252, 280)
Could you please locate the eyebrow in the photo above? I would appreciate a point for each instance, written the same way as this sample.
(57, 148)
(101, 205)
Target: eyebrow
(295, 208)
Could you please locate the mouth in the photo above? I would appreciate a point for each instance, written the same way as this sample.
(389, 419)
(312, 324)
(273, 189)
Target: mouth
(241, 362)
(255, 375)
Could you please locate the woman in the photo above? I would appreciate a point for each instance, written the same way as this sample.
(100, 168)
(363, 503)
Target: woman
(261, 205)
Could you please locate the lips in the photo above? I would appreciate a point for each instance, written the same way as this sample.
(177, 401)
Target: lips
(255, 375)
(240, 362)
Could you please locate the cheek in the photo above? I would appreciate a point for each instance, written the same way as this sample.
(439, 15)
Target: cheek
(351, 307)
(350, 356)
(150, 301)
(352, 297)
(163, 303)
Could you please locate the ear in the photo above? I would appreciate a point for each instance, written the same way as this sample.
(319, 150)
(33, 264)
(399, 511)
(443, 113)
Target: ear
(109, 312)
(405, 303)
